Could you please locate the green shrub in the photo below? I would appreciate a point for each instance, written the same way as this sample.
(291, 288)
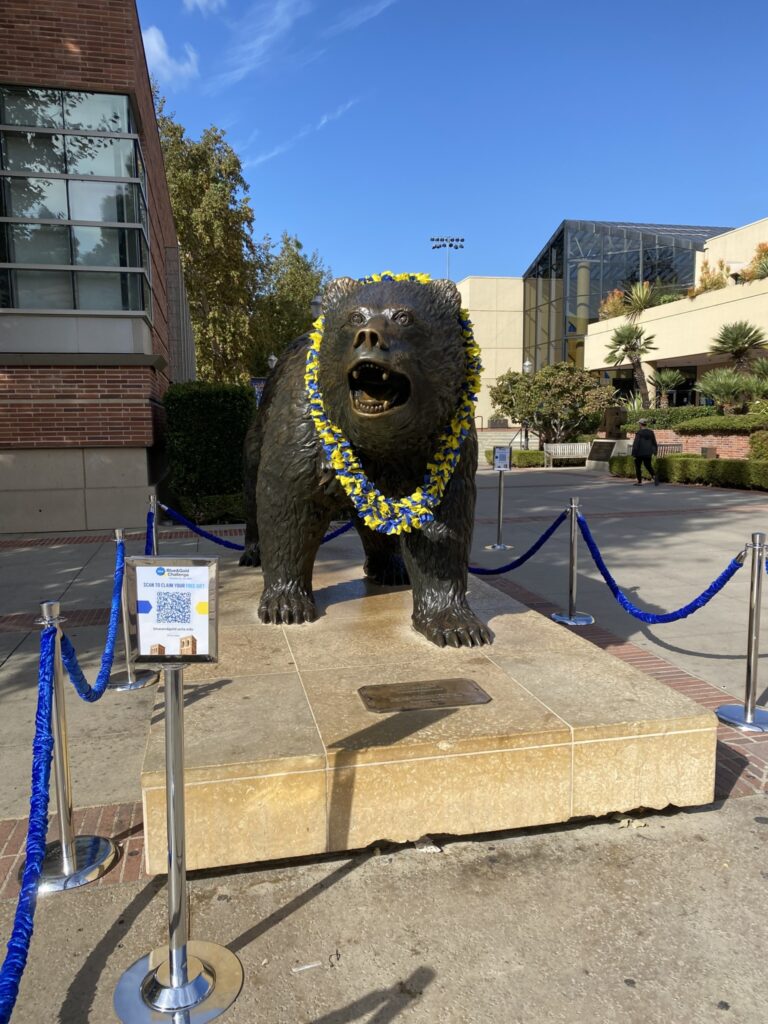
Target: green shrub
(527, 459)
(758, 445)
(694, 469)
(214, 508)
(747, 423)
(669, 418)
(205, 429)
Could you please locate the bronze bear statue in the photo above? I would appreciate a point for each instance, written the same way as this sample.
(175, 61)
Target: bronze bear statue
(391, 371)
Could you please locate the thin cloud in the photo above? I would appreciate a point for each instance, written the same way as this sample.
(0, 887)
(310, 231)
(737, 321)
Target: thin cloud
(265, 25)
(309, 129)
(357, 17)
(204, 6)
(162, 65)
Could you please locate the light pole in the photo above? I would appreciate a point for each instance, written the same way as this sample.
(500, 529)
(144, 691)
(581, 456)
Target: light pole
(527, 366)
(447, 242)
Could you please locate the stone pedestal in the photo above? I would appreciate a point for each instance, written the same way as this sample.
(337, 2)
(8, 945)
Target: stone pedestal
(284, 760)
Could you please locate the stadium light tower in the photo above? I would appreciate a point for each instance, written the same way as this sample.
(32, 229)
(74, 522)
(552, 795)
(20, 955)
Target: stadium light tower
(447, 242)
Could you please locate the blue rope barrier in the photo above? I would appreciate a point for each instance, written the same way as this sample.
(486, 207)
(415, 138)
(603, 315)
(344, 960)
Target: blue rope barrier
(42, 749)
(337, 532)
(681, 613)
(148, 539)
(183, 521)
(517, 562)
(69, 657)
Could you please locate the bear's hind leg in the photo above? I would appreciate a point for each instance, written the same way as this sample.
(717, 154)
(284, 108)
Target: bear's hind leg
(288, 550)
(384, 563)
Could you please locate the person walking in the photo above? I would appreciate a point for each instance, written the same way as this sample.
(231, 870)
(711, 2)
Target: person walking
(643, 448)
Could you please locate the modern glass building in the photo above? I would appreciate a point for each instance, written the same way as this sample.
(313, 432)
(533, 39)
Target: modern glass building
(585, 260)
(73, 205)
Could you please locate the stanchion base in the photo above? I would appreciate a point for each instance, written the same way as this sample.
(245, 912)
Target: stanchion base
(144, 993)
(577, 619)
(121, 681)
(497, 547)
(735, 714)
(94, 856)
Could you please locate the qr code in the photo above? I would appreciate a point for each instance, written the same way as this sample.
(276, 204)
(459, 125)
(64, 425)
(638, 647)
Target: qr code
(174, 609)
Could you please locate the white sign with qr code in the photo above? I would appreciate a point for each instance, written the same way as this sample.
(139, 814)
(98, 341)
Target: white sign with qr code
(172, 610)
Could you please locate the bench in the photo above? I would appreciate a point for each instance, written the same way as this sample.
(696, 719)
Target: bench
(570, 450)
(673, 448)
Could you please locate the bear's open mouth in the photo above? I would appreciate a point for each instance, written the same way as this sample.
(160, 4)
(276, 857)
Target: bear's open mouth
(376, 389)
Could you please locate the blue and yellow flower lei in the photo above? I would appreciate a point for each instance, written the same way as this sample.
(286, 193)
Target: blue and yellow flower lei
(395, 515)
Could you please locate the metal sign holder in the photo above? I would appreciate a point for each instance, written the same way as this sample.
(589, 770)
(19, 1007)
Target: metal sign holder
(187, 981)
(501, 464)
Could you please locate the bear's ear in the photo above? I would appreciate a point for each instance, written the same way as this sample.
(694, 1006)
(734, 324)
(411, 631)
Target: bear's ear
(337, 291)
(447, 294)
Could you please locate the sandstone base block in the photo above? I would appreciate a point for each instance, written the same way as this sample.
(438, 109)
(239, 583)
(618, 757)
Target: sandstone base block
(284, 760)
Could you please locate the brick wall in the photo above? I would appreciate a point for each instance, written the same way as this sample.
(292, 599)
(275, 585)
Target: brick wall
(93, 45)
(729, 446)
(64, 406)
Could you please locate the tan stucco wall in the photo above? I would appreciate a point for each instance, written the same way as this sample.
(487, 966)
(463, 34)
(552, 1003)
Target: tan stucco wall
(495, 307)
(736, 247)
(683, 330)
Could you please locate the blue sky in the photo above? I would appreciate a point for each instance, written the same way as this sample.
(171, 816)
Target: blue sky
(367, 127)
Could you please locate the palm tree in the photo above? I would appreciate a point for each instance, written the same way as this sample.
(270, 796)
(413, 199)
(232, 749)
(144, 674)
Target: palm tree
(639, 297)
(666, 380)
(760, 368)
(726, 388)
(739, 341)
(755, 386)
(629, 344)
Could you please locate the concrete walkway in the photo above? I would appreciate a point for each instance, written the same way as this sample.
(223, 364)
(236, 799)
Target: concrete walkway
(660, 918)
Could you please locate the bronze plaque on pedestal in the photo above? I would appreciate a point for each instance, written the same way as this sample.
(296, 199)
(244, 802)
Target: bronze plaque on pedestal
(422, 694)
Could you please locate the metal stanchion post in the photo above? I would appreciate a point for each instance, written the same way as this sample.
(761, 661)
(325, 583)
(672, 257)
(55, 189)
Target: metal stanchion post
(130, 679)
(193, 981)
(153, 510)
(573, 618)
(499, 545)
(749, 717)
(71, 860)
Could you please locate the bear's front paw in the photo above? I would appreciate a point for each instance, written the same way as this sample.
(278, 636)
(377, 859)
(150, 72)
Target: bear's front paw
(251, 555)
(287, 605)
(387, 572)
(453, 627)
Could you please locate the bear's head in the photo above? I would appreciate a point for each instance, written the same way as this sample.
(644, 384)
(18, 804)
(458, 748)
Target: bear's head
(392, 362)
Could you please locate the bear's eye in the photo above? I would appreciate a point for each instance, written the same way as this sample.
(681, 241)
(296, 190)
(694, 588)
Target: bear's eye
(356, 318)
(403, 317)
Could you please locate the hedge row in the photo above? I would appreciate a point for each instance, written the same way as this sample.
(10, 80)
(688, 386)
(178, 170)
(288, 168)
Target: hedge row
(526, 460)
(694, 469)
(747, 423)
(205, 429)
(669, 418)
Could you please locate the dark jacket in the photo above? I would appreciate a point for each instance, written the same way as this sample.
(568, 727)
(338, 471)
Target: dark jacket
(644, 443)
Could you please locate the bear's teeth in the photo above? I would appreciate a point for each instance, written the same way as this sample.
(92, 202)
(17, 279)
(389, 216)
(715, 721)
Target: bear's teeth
(385, 375)
(356, 374)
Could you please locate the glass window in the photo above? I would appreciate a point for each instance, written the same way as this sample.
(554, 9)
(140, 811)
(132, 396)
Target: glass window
(43, 289)
(105, 201)
(101, 112)
(5, 289)
(109, 291)
(109, 247)
(38, 243)
(36, 197)
(31, 106)
(109, 158)
(32, 152)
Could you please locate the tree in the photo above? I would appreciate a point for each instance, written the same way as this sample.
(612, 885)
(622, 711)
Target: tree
(220, 260)
(560, 400)
(740, 341)
(629, 344)
(289, 281)
(639, 297)
(726, 388)
(666, 380)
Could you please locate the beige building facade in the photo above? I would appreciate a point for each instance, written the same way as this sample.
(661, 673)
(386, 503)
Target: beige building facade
(495, 307)
(683, 331)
